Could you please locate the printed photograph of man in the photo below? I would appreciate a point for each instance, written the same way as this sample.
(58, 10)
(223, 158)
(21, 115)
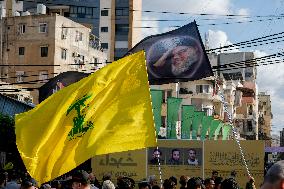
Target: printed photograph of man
(175, 158)
(156, 157)
(192, 159)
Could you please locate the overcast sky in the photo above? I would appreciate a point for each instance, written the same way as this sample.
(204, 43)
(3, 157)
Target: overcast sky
(270, 79)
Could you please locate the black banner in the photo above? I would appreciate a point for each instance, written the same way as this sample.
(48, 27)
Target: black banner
(178, 55)
(60, 81)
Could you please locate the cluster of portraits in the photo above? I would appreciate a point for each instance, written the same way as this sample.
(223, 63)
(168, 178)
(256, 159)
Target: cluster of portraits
(175, 156)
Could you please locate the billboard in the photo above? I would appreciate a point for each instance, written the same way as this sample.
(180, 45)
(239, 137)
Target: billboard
(225, 157)
(193, 158)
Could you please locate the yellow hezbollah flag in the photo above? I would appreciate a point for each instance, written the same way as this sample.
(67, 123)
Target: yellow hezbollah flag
(108, 111)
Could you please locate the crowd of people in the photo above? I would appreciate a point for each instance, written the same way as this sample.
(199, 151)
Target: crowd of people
(80, 179)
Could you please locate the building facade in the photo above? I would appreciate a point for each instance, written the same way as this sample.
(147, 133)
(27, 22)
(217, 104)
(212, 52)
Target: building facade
(38, 47)
(282, 138)
(265, 117)
(115, 22)
(240, 67)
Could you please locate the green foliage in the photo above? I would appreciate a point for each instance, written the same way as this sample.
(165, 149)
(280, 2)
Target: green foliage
(7, 133)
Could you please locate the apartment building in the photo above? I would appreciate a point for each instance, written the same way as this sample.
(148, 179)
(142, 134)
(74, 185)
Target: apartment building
(240, 67)
(115, 22)
(39, 47)
(265, 117)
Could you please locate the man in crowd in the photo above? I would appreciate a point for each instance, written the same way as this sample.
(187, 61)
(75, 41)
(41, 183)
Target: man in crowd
(209, 183)
(192, 160)
(274, 178)
(175, 157)
(80, 180)
(214, 174)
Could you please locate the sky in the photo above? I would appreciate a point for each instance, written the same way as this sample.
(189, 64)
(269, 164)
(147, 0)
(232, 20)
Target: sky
(270, 79)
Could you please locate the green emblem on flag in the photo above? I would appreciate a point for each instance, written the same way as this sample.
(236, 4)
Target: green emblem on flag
(80, 127)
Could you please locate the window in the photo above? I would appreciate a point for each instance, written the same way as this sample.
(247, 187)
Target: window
(118, 12)
(22, 28)
(89, 10)
(44, 51)
(43, 28)
(43, 76)
(81, 12)
(79, 36)
(73, 10)
(264, 112)
(104, 45)
(249, 126)
(264, 103)
(104, 12)
(104, 29)
(122, 12)
(63, 54)
(20, 76)
(121, 29)
(64, 32)
(21, 50)
(202, 89)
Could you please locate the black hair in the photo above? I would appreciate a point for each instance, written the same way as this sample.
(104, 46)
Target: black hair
(229, 183)
(155, 150)
(174, 150)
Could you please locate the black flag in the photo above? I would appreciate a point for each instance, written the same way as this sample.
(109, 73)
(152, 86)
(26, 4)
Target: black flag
(178, 55)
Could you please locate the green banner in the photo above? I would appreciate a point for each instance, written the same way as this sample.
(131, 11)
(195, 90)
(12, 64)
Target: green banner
(173, 105)
(226, 131)
(206, 122)
(196, 123)
(157, 96)
(214, 125)
(186, 121)
(217, 131)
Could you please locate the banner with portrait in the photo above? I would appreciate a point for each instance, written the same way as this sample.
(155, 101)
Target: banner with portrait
(177, 55)
(177, 158)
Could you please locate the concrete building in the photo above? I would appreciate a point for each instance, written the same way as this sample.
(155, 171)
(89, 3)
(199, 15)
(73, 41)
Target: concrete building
(113, 21)
(38, 47)
(265, 117)
(282, 137)
(244, 71)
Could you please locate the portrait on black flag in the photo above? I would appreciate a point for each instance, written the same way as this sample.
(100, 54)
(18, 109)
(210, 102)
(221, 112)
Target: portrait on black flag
(174, 57)
(177, 55)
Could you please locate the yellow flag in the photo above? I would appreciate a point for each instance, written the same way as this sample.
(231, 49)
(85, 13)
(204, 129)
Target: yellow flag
(108, 111)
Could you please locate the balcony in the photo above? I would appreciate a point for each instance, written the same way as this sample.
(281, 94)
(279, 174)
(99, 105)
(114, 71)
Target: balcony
(185, 93)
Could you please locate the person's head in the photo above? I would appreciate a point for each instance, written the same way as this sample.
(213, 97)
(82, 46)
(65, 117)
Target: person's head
(126, 183)
(192, 154)
(144, 185)
(176, 154)
(29, 184)
(194, 183)
(174, 180)
(274, 178)
(214, 174)
(80, 180)
(218, 181)
(107, 176)
(209, 183)
(233, 173)
(107, 184)
(168, 184)
(183, 180)
(229, 183)
(152, 180)
(156, 154)
(182, 58)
